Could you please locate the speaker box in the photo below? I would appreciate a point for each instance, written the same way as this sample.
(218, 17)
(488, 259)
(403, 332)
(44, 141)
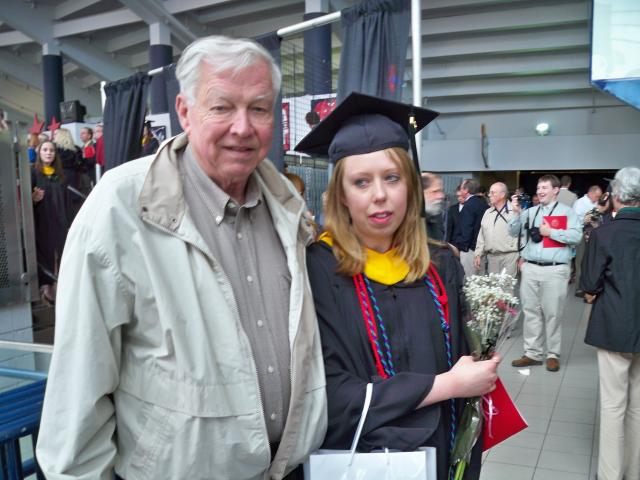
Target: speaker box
(72, 111)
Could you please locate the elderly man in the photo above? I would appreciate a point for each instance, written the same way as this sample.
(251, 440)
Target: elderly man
(433, 190)
(186, 344)
(611, 273)
(550, 229)
(494, 241)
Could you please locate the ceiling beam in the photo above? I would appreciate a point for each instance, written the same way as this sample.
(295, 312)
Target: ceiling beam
(31, 76)
(36, 23)
(71, 6)
(8, 39)
(151, 12)
(235, 9)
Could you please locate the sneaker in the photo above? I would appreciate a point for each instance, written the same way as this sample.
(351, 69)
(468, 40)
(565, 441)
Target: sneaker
(525, 361)
(553, 364)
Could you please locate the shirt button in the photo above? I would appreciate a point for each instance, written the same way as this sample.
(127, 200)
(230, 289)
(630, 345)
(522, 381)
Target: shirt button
(249, 279)
(239, 236)
(260, 323)
(273, 416)
(219, 219)
(270, 369)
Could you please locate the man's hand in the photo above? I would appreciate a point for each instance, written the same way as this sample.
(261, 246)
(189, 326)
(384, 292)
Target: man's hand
(476, 262)
(516, 204)
(545, 229)
(589, 298)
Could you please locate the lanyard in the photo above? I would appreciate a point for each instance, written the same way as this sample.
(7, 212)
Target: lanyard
(533, 222)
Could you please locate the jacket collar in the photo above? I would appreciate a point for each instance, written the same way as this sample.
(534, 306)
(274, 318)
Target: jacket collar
(628, 213)
(161, 200)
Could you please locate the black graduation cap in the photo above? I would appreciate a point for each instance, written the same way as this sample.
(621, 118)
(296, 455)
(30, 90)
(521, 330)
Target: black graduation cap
(363, 124)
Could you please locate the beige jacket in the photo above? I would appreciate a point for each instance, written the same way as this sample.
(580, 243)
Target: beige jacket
(493, 236)
(152, 373)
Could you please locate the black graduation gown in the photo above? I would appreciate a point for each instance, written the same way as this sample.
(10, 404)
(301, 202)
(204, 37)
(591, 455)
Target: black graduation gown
(418, 351)
(50, 221)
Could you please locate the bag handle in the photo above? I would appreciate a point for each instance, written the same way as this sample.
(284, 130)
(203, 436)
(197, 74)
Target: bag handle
(363, 416)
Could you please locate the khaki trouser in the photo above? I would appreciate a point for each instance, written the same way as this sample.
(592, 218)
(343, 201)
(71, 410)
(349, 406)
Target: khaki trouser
(503, 261)
(467, 259)
(619, 451)
(543, 291)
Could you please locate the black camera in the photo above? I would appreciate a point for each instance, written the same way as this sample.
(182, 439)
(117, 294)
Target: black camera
(534, 233)
(524, 200)
(596, 215)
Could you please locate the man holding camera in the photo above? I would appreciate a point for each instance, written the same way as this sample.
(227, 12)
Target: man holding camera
(549, 230)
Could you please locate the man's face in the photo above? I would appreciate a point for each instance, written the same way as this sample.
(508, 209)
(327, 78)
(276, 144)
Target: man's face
(497, 195)
(434, 197)
(546, 192)
(231, 122)
(595, 195)
(85, 136)
(460, 196)
(97, 132)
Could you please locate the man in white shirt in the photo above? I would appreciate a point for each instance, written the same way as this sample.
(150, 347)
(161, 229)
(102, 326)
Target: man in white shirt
(587, 202)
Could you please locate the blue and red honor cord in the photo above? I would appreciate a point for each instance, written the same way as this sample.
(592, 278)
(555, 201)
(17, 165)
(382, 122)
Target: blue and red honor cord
(377, 333)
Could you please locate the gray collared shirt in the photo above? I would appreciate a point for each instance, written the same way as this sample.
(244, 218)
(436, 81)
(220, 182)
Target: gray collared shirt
(244, 241)
(536, 252)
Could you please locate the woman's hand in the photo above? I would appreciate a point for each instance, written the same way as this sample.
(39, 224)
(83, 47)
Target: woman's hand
(472, 379)
(37, 194)
(467, 378)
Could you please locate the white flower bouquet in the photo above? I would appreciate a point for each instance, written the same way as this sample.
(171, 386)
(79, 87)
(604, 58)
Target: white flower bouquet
(492, 310)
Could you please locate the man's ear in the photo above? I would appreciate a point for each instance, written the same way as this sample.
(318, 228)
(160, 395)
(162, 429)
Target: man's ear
(182, 109)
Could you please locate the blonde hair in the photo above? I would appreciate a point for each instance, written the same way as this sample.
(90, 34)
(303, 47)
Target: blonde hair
(63, 139)
(410, 240)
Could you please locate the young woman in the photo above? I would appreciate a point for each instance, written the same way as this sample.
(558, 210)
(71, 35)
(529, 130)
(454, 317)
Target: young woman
(389, 309)
(50, 215)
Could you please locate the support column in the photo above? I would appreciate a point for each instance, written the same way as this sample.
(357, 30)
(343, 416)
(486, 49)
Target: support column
(52, 81)
(160, 55)
(317, 50)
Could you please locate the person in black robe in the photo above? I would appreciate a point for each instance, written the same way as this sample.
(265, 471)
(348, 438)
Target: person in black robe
(375, 248)
(50, 215)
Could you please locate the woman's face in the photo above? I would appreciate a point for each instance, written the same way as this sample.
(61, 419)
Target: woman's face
(47, 153)
(375, 193)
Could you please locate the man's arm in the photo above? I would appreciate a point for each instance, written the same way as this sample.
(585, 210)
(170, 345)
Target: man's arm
(573, 234)
(76, 439)
(479, 252)
(594, 264)
(467, 224)
(516, 221)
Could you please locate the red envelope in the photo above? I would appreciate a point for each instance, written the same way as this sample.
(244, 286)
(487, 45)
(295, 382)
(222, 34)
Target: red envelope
(557, 222)
(506, 420)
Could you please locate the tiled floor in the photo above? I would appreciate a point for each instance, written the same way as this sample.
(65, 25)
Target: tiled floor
(561, 442)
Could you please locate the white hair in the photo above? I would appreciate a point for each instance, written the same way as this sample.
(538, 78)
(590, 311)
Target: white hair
(222, 54)
(626, 185)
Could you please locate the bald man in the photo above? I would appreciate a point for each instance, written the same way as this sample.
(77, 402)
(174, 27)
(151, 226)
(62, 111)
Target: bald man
(494, 241)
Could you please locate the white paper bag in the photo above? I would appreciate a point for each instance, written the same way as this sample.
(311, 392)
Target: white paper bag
(377, 465)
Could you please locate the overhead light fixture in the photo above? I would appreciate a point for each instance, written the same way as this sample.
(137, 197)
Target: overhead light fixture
(542, 129)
